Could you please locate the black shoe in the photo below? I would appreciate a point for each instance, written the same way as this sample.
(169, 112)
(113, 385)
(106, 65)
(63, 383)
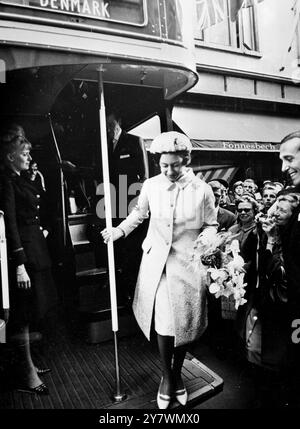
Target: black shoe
(41, 389)
(42, 371)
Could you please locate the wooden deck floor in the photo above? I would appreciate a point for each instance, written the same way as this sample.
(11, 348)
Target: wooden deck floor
(83, 376)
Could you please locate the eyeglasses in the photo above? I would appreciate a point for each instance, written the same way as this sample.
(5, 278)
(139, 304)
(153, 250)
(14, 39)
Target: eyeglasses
(244, 210)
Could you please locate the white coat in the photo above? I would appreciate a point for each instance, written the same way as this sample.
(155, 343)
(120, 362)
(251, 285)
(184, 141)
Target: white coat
(179, 211)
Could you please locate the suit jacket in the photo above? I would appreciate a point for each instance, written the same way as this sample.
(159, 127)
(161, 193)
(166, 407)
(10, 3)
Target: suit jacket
(225, 219)
(290, 237)
(127, 159)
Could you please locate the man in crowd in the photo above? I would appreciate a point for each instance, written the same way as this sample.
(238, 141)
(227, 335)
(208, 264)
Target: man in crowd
(224, 217)
(290, 156)
(126, 153)
(268, 198)
(249, 186)
(238, 190)
(127, 166)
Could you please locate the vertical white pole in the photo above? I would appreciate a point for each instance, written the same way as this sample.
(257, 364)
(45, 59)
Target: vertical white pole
(108, 211)
(4, 270)
(118, 396)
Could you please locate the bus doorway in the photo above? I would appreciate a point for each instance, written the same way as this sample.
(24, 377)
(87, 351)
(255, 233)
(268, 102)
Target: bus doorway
(63, 125)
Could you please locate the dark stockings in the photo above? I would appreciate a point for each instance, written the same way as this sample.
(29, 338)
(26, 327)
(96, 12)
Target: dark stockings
(26, 369)
(170, 355)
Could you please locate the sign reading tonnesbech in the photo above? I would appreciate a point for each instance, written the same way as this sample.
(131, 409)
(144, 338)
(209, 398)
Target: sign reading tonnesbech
(251, 146)
(128, 12)
(239, 146)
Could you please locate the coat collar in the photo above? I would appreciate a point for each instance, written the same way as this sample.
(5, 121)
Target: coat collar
(239, 227)
(19, 178)
(187, 177)
(10, 173)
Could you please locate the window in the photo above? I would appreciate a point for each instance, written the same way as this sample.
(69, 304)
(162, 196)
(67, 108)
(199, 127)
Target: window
(218, 24)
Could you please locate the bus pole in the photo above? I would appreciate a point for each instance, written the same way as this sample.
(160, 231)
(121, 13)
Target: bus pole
(4, 279)
(118, 395)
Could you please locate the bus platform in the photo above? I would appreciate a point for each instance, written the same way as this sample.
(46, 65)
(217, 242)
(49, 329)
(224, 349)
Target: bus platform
(83, 376)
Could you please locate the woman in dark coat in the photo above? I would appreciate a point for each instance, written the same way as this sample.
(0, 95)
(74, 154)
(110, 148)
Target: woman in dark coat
(262, 321)
(32, 291)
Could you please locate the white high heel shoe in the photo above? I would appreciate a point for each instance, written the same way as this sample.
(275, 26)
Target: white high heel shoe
(181, 396)
(163, 401)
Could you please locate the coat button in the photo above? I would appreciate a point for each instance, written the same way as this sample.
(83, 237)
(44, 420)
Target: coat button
(167, 243)
(255, 318)
(37, 207)
(36, 217)
(41, 228)
(38, 196)
(250, 331)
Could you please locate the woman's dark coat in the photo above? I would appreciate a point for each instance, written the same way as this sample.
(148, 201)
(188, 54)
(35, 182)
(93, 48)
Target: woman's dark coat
(20, 201)
(266, 293)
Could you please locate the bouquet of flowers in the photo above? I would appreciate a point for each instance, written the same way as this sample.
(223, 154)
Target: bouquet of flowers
(218, 254)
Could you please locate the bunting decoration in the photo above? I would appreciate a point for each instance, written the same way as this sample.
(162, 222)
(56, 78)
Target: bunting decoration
(212, 12)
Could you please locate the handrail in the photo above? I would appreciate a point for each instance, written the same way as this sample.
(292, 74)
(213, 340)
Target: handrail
(4, 270)
(62, 181)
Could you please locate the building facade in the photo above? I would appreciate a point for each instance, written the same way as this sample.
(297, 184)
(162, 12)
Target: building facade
(248, 95)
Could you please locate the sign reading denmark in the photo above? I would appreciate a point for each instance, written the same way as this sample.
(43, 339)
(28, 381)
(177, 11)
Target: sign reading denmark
(129, 12)
(95, 8)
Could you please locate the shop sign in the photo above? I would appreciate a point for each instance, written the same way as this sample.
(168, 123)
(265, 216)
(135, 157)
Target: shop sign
(250, 146)
(131, 12)
(238, 146)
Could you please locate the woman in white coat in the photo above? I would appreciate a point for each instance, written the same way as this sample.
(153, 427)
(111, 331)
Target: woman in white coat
(169, 292)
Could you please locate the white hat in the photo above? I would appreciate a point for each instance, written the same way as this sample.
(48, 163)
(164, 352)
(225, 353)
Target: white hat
(171, 141)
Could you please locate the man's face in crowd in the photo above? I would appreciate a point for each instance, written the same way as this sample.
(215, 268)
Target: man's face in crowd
(218, 194)
(290, 157)
(224, 195)
(112, 126)
(239, 190)
(269, 198)
(249, 187)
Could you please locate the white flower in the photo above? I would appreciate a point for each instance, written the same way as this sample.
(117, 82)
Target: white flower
(237, 263)
(234, 247)
(239, 301)
(216, 273)
(214, 288)
(221, 249)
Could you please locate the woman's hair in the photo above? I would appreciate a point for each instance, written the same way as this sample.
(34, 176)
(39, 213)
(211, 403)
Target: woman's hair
(11, 137)
(184, 154)
(236, 184)
(292, 197)
(247, 198)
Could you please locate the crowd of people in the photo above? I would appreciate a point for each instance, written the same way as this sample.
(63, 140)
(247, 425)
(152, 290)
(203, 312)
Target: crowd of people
(266, 224)
(261, 221)
(170, 299)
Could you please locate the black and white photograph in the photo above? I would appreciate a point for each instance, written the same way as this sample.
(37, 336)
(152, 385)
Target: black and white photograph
(149, 208)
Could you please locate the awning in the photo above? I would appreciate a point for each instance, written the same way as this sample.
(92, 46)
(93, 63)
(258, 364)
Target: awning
(203, 125)
(215, 172)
